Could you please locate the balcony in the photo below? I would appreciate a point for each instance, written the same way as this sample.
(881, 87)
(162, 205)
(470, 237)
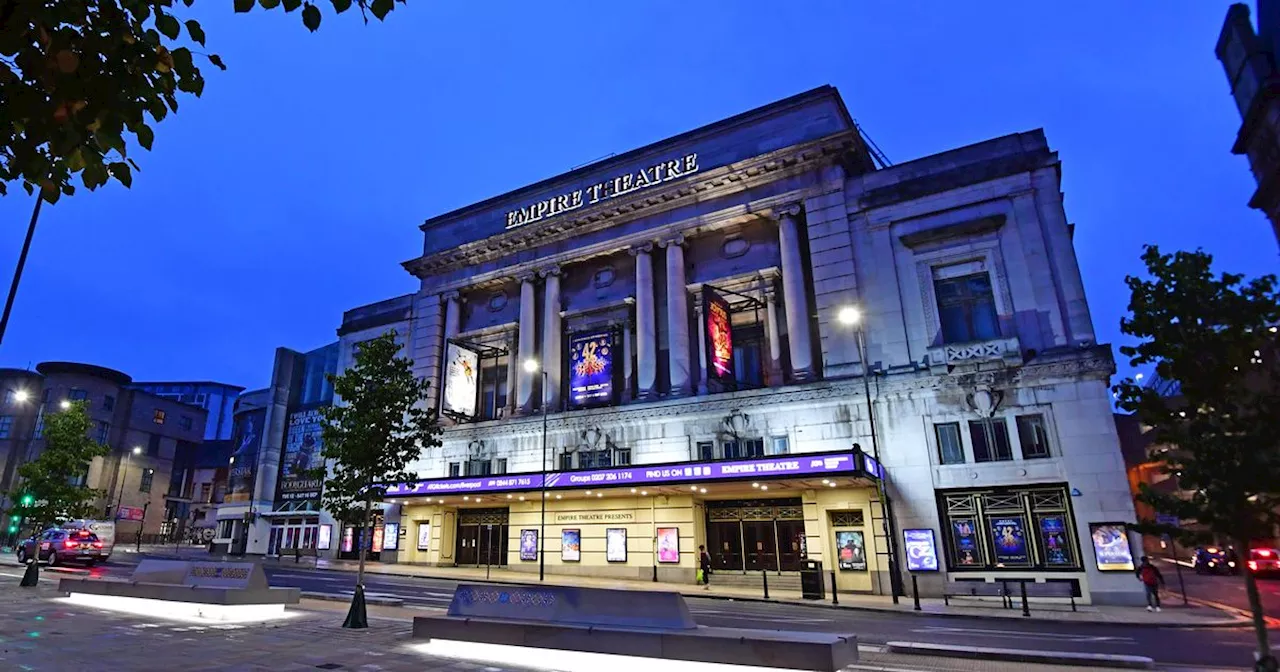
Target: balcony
(1002, 351)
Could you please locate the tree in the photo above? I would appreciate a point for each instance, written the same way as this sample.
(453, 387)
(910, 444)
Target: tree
(77, 75)
(1216, 336)
(49, 490)
(378, 428)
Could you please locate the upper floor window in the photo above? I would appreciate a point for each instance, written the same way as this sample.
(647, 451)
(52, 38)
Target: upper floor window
(493, 390)
(108, 402)
(77, 394)
(479, 467)
(966, 306)
(6, 426)
(621, 457)
(743, 448)
(748, 355)
(158, 417)
(1033, 436)
(500, 465)
(148, 475)
(184, 422)
(455, 469)
(950, 450)
(779, 445)
(595, 459)
(990, 440)
(103, 431)
(153, 445)
(706, 451)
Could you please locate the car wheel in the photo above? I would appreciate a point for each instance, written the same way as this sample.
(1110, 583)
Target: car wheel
(53, 558)
(22, 555)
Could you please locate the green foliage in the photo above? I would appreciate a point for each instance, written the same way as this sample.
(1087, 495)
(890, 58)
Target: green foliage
(78, 77)
(1216, 336)
(46, 492)
(378, 429)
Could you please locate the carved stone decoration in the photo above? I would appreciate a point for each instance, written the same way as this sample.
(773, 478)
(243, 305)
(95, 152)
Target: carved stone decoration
(497, 301)
(476, 449)
(604, 277)
(734, 246)
(736, 423)
(984, 401)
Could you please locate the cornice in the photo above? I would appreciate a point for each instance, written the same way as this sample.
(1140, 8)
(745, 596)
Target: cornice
(698, 187)
(1090, 365)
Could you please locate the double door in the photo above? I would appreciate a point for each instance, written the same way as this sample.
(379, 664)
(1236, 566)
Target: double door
(482, 537)
(753, 536)
(295, 534)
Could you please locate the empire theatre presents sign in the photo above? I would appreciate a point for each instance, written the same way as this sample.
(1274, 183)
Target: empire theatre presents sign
(664, 171)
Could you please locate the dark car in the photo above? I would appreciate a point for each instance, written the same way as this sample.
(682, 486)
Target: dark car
(61, 546)
(1264, 561)
(1215, 560)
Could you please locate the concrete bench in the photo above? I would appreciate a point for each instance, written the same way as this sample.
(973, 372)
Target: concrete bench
(645, 624)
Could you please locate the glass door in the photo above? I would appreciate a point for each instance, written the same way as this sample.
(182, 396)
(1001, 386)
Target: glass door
(790, 543)
(273, 542)
(761, 545)
(724, 543)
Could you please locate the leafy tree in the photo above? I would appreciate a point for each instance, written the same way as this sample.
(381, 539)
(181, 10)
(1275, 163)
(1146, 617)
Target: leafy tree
(1215, 334)
(371, 436)
(78, 76)
(50, 480)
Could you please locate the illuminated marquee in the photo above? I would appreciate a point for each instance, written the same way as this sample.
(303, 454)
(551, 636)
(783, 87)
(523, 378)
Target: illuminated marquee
(621, 185)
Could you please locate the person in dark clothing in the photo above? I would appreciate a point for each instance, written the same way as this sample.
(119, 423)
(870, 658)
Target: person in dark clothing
(704, 563)
(1152, 580)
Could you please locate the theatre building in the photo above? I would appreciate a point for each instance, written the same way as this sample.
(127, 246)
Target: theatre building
(739, 338)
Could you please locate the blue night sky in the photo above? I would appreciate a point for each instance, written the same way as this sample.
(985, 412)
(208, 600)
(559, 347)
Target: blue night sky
(293, 190)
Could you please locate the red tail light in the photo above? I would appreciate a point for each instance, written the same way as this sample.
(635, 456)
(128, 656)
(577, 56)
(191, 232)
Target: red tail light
(1253, 565)
(70, 544)
(97, 544)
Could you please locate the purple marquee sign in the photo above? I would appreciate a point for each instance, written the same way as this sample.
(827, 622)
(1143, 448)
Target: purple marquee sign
(658, 474)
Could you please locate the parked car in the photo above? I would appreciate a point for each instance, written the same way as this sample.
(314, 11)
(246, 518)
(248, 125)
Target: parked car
(1215, 560)
(1264, 561)
(56, 547)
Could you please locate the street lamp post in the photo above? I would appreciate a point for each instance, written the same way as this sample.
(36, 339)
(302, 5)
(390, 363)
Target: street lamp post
(124, 472)
(532, 366)
(852, 317)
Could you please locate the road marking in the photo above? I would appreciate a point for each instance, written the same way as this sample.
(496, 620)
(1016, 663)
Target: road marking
(758, 617)
(313, 578)
(1016, 634)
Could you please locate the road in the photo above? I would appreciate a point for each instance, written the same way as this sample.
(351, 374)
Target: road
(1228, 590)
(1170, 646)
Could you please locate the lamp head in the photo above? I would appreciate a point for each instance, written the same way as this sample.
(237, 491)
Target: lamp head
(137, 450)
(64, 404)
(21, 396)
(849, 316)
(531, 365)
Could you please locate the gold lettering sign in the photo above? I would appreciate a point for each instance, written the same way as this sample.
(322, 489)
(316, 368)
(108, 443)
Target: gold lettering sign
(601, 517)
(664, 171)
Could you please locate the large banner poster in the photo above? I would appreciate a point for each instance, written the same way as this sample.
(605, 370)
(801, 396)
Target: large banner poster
(591, 357)
(461, 381)
(1009, 534)
(300, 456)
(1111, 547)
(246, 437)
(851, 551)
(719, 337)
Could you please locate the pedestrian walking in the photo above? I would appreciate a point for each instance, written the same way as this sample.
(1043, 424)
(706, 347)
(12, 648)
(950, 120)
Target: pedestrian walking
(1152, 580)
(704, 568)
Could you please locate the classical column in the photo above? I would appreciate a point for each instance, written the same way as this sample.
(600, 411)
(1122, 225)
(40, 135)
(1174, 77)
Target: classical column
(552, 335)
(771, 334)
(793, 292)
(452, 313)
(513, 371)
(677, 318)
(528, 322)
(646, 329)
(628, 350)
(699, 312)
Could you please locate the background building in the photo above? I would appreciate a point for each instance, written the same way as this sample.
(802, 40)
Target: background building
(696, 310)
(147, 434)
(218, 399)
(1249, 58)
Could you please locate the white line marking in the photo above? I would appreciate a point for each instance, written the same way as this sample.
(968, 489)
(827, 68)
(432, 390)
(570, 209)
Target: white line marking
(1014, 634)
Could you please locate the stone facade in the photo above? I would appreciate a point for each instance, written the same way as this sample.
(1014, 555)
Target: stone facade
(987, 407)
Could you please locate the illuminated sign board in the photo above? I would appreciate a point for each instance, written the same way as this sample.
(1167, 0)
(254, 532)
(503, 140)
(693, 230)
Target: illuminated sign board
(663, 171)
(719, 337)
(591, 359)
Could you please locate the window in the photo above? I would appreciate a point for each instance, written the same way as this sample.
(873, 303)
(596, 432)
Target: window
(103, 431)
(950, 450)
(479, 467)
(39, 433)
(1033, 436)
(595, 459)
(706, 451)
(206, 492)
(455, 469)
(778, 445)
(158, 417)
(77, 394)
(144, 484)
(493, 390)
(748, 348)
(566, 461)
(990, 440)
(1009, 529)
(622, 457)
(966, 307)
(6, 426)
(108, 403)
(224, 528)
(500, 465)
(184, 422)
(202, 400)
(743, 448)
(153, 445)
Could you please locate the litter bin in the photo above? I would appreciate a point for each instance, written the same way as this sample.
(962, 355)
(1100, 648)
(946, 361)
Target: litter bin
(811, 583)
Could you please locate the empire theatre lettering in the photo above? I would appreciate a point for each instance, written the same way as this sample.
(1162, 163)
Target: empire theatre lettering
(621, 185)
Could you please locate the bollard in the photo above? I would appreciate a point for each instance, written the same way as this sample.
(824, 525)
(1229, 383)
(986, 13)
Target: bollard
(655, 573)
(915, 592)
(764, 577)
(835, 596)
(297, 554)
(1026, 609)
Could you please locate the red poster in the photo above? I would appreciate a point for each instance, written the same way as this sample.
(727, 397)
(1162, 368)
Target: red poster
(719, 337)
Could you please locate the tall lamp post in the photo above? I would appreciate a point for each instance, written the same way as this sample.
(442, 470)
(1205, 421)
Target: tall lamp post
(852, 317)
(532, 366)
(137, 450)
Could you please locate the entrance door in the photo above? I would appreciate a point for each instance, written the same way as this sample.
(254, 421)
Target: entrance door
(273, 542)
(724, 543)
(493, 545)
(468, 551)
(761, 545)
(790, 535)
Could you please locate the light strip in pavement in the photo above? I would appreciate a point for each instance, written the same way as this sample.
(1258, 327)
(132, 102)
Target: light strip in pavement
(568, 661)
(1022, 656)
